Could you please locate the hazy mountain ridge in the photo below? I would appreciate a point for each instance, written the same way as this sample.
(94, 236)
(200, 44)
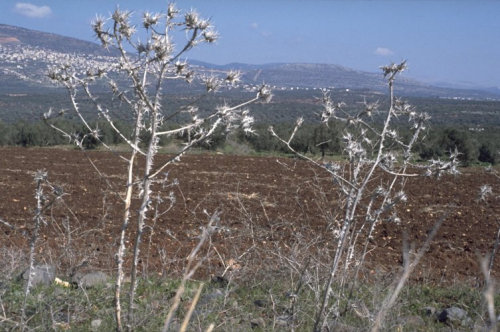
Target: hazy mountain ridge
(50, 41)
(26, 55)
(314, 75)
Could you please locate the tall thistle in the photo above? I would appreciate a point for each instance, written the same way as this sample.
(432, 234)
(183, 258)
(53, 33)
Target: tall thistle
(369, 149)
(154, 62)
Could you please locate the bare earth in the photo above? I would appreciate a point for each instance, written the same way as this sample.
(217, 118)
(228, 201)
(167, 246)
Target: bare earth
(268, 210)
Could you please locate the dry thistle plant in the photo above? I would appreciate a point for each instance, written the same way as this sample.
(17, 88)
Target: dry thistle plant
(44, 201)
(373, 152)
(137, 80)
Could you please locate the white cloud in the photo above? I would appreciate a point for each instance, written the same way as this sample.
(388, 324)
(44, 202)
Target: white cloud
(30, 10)
(383, 51)
(256, 27)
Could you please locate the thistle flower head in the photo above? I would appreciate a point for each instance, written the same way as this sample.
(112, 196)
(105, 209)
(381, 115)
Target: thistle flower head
(143, 48)
(162, 50)
(485, 191)
(40, 175)
(127, 30)
(388, 160)
(121, 17)
(212, 83)
(402, 107)
(247, 122)
(233, 77)
(95, 133)
(48, 114)
(57, 191)
(98, 25)
(180, 67)
(150, 20)
(333, 167)
(370, 108)
(223, 110)
(379, 191)
(439, 167)
(191, 19)
(189, 77)
(100, 32)
(395, 219)
(419, 119)
(203, 24)
(265, 93)
(393, 69)
(172, 11)
(401, 196)
(329, 107)
(392, 133)
(210, 35)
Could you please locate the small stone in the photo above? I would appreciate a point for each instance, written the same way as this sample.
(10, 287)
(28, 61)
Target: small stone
(219, 281)
(96, 323)
(260, 303)
(429, 311)
(91, 279)
(258, 323)
(41, 275)
(454, 315)
(284, 320)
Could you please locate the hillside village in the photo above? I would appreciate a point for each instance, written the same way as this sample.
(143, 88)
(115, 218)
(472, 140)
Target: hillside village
(31, 64)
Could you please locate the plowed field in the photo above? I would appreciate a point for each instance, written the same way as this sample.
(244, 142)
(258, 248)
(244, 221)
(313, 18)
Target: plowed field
(269, 208)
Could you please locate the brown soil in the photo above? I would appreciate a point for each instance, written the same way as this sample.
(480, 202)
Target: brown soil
(269, 209)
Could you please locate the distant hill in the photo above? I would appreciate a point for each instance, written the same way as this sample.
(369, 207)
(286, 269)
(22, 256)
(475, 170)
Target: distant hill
(12, 35)
(309, 75)
(26, 55)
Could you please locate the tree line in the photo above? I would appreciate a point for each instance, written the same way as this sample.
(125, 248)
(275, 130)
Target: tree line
(474, 144)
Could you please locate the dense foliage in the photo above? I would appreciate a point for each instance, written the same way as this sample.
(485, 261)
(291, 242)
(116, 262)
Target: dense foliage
(474, 144)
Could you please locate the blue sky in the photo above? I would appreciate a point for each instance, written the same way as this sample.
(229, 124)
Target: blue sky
(451, 41)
